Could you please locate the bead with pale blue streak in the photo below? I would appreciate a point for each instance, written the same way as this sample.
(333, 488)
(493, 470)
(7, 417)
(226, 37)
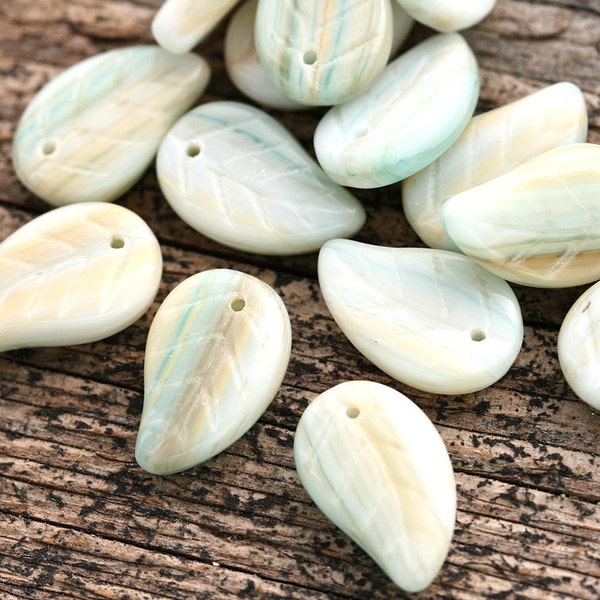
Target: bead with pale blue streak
(236, 175)
(322, 53)
(537, 225)
(216, 354)
(243, 65)
(410, 116)
(492, 144)
(374, 463)
(433, 319)
(91, 132)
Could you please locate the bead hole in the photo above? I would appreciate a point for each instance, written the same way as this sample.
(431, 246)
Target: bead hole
(193, 149)
(238, 304)
(352, 412)
(478, 335)
(117, 242)
(48, 147)
(310, 57)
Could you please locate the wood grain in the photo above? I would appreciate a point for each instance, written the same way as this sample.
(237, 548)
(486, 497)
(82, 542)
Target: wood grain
(79, 518)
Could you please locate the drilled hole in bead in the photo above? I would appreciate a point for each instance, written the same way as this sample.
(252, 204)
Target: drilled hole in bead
(193, 149)
(238, 304)
(310, 57)
(478, 335)
(352, 412)
(48, 147)
(117, 242)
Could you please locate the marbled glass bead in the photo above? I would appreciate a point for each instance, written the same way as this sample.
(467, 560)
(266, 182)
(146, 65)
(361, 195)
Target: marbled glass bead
(92, 131)
(410, 116)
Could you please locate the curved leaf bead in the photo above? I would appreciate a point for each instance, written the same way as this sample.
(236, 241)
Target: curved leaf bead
(92, 131)
(236, 175)
(76, 274)
(374, 463)
(448, 15)
(319, 53)
(242, 63)
(216, 354)
(435, 320)
(179, 25)
(537, 225)
(492, 144)
(579, 347)
(411, 115)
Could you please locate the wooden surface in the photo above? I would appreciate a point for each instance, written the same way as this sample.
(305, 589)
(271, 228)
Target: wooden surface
(79, 518)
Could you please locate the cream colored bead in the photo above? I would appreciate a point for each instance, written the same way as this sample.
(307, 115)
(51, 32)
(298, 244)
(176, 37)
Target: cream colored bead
(376, 466)
(76, 274)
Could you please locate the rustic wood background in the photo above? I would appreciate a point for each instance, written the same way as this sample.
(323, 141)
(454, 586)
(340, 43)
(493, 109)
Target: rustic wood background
(79, 518)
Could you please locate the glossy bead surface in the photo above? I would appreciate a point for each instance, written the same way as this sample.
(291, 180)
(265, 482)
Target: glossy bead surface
(579, 346)
(320, 53)
(435, 320)
(448, 15)
(236, 175)
(411, 115)
(402, 24)
(374, 463)
(216, 354)
(76, 274)
(242, 63)
(538, 224)
(180, 25)
(492, 144)
(91, 132)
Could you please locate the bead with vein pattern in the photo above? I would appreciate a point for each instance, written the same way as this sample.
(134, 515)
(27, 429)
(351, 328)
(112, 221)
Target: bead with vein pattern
(374, 463)
(216, 354)
(76, 274)
(92, 131)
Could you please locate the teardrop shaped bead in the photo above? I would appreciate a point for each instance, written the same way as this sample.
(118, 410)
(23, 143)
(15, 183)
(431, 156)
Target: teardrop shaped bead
(537, 225)
(579, 346)
(243, 65)
(433, 319)
(180, 25)
(410, 116)
(76, 274)
(236, 175)
(448, 15)
(323, 53)
(492, 144)
(91, 132)
(216, 354)
(373, 462)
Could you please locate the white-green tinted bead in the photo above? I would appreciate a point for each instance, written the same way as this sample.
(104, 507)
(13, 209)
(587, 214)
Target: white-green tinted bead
(76, 274)
(411, 115)
(374, 463)
(91, 132)
(402, 24)
(538, 224)
(243, 66)
(433, 319)
(236, 175)
(217, 352)
(448, 15)
(492, 144)
(180, 25)
(579, 347)
(322, 53)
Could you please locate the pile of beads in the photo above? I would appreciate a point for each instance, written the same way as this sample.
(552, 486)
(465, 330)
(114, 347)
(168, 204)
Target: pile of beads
(509, 195)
